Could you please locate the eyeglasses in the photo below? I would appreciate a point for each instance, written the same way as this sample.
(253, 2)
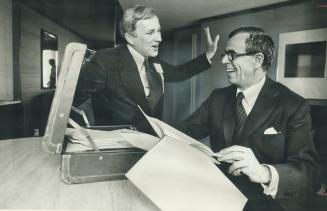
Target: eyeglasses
(231, 54)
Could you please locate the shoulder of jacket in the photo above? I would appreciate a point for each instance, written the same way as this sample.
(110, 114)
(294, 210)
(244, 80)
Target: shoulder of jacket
(287, 95)
(290, 100)
(108, 51)
(223, 91)
(220, 94)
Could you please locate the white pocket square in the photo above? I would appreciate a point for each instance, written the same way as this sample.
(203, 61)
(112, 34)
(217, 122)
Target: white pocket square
(270, 131)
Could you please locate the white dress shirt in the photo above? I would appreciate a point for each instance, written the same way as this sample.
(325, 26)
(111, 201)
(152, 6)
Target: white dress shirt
(139, 60)
(250, 97)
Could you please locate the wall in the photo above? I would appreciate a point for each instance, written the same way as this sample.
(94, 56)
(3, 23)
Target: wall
(179, 95)
(30, 57)
(6, 53)
(287, 18)
(11, 121)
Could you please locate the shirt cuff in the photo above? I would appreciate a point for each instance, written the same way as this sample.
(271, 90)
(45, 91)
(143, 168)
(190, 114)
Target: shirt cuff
(271, 188)
(209, 60)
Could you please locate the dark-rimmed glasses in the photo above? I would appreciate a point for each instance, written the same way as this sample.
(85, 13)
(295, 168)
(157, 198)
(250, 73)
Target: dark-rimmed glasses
(231, 54)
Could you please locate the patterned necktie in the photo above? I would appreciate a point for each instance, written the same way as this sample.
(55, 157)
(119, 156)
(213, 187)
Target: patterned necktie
(155, 85)
(240, 113)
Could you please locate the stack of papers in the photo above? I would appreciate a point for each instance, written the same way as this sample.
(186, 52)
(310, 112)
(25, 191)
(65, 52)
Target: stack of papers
(114, 139)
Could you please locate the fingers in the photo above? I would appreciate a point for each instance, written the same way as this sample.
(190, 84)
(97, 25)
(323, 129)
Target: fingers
(215, 161)
(227, 150)
(238, 166)
(216, 39)
(209, 39)
(237, 172)
(207, 32)
(234, 148)
(233, 154)
(231, 157)
(210, 45)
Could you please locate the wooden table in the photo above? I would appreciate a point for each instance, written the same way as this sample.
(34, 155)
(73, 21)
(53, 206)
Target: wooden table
(30, 179)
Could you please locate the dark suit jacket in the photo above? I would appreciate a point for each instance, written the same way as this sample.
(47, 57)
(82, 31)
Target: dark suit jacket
(291, 151)
(111, 79)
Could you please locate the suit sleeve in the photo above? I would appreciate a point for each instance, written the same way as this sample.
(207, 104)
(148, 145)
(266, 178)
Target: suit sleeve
(185, 71)
(92, 79)
(300, 171)
(197, 125)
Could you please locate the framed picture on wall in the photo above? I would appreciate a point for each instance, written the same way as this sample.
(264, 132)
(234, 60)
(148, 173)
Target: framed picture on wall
(302, 62)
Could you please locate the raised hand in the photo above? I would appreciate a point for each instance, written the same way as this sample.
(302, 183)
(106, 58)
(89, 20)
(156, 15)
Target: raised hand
(211, 46)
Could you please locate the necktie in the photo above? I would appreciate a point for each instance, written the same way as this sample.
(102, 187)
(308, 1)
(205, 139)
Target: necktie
(155, 85)
(240, 113)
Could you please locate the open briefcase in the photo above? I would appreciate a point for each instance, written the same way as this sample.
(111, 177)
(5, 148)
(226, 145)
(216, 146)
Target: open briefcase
(82, 166)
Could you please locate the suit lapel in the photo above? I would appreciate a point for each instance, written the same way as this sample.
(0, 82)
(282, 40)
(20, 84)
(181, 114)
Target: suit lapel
(131, 78)
(229, 120)
(156, 66)
(262, 109)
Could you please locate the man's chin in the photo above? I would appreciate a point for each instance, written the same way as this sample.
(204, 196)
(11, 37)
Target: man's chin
(154, 54)
(231, 80)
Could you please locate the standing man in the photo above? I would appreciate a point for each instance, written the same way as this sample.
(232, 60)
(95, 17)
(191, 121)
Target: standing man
(53, 74)
(117, 80)
(259, 128)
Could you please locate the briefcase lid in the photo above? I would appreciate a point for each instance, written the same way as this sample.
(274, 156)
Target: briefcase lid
(63, 97)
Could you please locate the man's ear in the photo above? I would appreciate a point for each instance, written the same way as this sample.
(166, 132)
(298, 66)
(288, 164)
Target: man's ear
(129, 38)
(259, 58)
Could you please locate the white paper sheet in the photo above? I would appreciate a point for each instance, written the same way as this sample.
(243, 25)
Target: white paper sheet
(140, 140)
(102, 139)
(177, 176)
(162, 129)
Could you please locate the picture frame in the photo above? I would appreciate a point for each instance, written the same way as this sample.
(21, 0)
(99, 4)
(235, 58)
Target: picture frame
(302, 62)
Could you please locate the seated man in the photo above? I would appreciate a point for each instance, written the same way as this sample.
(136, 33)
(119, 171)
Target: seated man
(119, 79)
(259, 128)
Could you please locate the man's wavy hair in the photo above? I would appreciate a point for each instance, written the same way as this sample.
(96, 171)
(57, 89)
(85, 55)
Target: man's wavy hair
(258, 42)
(132, 15)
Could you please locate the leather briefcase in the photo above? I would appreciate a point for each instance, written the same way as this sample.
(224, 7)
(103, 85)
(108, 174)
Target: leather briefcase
(82, 166)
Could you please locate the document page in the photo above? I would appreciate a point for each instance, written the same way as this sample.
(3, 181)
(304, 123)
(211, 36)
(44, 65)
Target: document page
(140, 140)
(162, 129)
(177, 176)
(114, 139)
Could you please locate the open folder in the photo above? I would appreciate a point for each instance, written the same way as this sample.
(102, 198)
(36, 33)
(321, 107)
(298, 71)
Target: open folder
(178, 173)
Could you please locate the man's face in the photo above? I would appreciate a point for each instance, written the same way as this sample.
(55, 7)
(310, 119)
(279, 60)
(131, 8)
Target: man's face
(241, 70)
(146, 37)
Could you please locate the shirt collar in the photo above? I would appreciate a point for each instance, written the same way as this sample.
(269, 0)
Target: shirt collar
(251, 93)
(138, 58)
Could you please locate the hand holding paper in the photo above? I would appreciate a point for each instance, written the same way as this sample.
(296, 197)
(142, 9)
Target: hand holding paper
(244, 161)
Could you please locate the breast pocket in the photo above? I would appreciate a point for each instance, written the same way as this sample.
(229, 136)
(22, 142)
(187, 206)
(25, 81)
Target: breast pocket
(274, 147)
